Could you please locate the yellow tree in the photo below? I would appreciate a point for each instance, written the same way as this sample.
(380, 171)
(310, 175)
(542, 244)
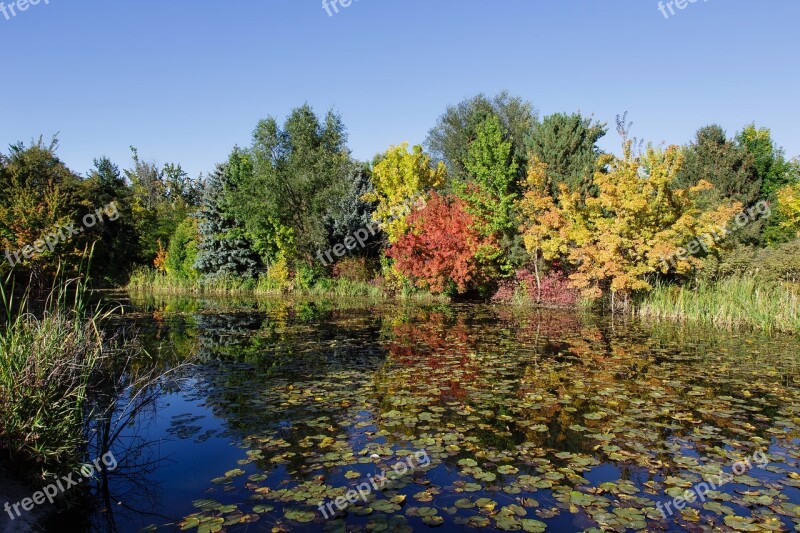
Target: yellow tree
(401, 178)
(543, 226)
(638, 223)
(789, 206)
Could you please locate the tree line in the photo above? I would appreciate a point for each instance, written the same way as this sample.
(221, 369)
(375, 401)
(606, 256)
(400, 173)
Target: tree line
(497, 200)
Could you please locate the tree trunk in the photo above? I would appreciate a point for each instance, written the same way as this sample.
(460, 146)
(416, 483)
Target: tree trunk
(538, 278)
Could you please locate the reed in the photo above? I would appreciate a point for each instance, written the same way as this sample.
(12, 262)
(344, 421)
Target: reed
(147, 280)
(48, 361)
(730, 303)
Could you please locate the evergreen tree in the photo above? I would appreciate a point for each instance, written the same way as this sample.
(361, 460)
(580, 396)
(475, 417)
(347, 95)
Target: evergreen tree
(118, 244)
(725, 164)
(224, 249)
(567, 146)
(352, 212)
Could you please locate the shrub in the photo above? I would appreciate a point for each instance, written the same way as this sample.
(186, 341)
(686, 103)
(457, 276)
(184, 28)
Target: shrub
(353, 269)
(774, 264)
(278, 276)
(443, 249)
(555, 290)
(182, 251)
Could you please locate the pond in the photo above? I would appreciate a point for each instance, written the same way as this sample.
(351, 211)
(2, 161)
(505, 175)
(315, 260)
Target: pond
(312, 416)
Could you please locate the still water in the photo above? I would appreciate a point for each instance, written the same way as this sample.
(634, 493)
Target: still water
(460, 418)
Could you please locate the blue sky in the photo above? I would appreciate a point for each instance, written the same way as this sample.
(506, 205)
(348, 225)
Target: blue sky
(186, 80)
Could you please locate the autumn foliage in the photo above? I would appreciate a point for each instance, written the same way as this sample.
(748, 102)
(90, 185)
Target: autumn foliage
(442, 248)
(618, 239)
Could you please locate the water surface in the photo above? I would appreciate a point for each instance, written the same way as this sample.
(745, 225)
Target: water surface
(503, 420)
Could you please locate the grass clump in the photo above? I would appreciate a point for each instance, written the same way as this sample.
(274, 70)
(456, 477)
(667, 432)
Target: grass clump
(48, 362)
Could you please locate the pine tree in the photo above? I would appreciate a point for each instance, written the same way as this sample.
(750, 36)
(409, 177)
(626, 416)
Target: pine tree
(224, 249)
(567, 146)
(352, 212)
(119, 246)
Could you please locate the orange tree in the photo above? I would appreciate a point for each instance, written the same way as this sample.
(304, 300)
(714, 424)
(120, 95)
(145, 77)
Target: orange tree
(443, 250)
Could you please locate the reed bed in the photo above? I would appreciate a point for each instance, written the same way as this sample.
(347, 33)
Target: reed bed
(147, 280)
(730, 303)
(48, 361)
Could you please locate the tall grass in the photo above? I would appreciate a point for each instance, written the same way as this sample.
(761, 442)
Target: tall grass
(733, 302)
(148, 280)
(48, 361)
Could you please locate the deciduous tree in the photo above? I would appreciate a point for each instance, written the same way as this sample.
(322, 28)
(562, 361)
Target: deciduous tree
(442, 249)
(456, 129)
(182, 251)
(298, 172)
(40, 195)
(401, 178)
(544, 229)
(637, 223)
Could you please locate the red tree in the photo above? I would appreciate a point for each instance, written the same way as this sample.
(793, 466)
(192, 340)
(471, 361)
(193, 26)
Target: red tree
(442, 246)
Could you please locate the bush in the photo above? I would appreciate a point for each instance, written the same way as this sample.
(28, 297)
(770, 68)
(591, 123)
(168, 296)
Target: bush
(182, 251)
(775, 264)
(277, 277)
(353, 269)
(555, 290)
(306, 276)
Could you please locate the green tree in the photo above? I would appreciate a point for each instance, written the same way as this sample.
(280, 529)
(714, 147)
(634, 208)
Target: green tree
(490, 189)
(769, 160)
(353, 212)
(117, 240)
(775, 173)
(722, 162)
(567, 147)
(182, 251)
(298, 171)
(457, 128)
(161, 199)
(40, 196)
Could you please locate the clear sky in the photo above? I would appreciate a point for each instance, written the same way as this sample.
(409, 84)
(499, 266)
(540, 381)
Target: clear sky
(186, 80)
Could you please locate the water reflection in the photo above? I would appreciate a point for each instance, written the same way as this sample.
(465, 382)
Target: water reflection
(532, 420)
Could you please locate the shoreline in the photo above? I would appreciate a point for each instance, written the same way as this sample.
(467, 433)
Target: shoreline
(730, 304)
